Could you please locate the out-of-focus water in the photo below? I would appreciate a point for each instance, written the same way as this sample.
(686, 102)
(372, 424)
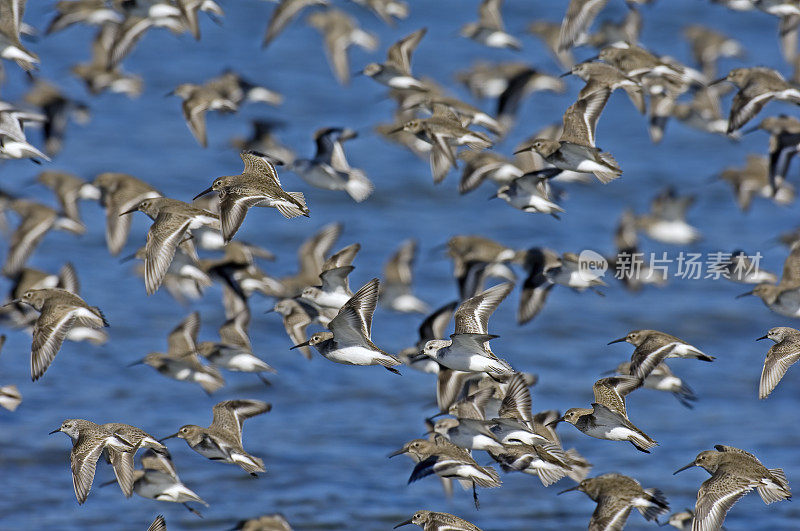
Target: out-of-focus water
(326, 440)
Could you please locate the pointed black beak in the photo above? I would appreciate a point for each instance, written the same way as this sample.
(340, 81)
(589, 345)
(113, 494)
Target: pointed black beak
(401, 524)
(396, 130)
(127, 258)
(750, 130)
(744, 294)
(493, 196)
(718, 81)
(169, 437)
(576, 487)
(690, 465)
(204, 192)
(270, 310)
(131, 211)
(12, 301)
(620, 340)
(54, 431)
(303, 344)
(565, 74)
(762, 337)
(401, 451)
(555, 422)
(522, 150)
(135, 363)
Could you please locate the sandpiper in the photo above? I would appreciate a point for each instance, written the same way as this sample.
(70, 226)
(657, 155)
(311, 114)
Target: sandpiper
(60, 311)
(741, 268)
(682, 520)
(431, 521)
(443, 458)
(386, 10)
(340, 31)
(222, 440)
(172, 222)
(181, 361)
(158, 479)
(549, 32)
(329, 168)
(397, 279)
(120, 192)
(661, 378)
(296, 318)
(782, 355)
(263, 140)
(666, 221)
(349, 341)
(468, 348)
(197, 99)
(734, 473)
(520, 85)
(579, 16)
(616, 495)
(753, 180)
(396, 71)
(234, 352)
(608, 417)
(784, 143)
(98, 75)
(334, 292)
(783, 297)
(482, 165)
(434, 326)
(82, 12)
(88, 442)
(122, 460)
(575, 149)
(653, 347)
(69, 189)
(602, 76)
(257, 185)
(489, 28)
(37, 220)
(10, 46)
(311, 255)
(709, 45)
(267, 522)
(283, 14)
(529, 193)
(15, 144)
(189, 9)
(537, 285)
(757, 86)
(159, 524)
(58, 110)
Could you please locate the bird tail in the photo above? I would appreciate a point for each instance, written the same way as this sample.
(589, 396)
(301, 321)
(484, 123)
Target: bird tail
(685, 395)
(490, 477)
(358, 186)
(642, 441)
(579, 466)
(778, 490)
(652, 504)
(613, 171)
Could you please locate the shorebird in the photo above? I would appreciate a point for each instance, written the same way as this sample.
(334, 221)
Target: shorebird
(682, 520)
(329, 168)
(468, 347)
(122, 460)
(489, 28)
(189, 9)
(119, 192)
(69, 189)
(616, 495)
(93, 12)
(98, 75)
(709, 45)
(549, 32)
(264, 141)
(666, 221)
(602, 77)
(661, 378)
(172, 222)
(397, 278)
(396, 71)
(328, 298)
(575, 149)
(58, 109)
(753, 180)
(482, 165)
(60, 311)
(536, 287)
(197, 99)
(339, 32)
(158, 480)
(349, 341)
(89, 440)
(784, 143)
(489, 80)
(741, 268)
(520, 85)
(222, 440)
(234, 352)
(446, 460)
(653, 347)
(579, 16)
(311, 256)
(431, 521)
(37, 220)
(386, 10)
(608, 417)
(782, 355)
(257, 185)
(734, 473)
(529, 193)
(14, 142)
(159, 524)
(181, 361)
(267, 522)
(11, 13)
(757, 86)
(784, 297)
(283, 14)
(432, 327)
(296, 318)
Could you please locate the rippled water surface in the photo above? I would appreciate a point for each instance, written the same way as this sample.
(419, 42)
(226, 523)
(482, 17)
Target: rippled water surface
(326, 440)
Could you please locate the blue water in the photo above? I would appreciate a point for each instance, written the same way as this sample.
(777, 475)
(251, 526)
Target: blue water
(326, 440)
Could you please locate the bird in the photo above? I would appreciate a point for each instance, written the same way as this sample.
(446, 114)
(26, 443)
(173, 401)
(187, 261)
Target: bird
(348, 340)
(267, 522)
(784, 297)
(734, 473)
(311, 256)
(615, 495)
(257, 185)
(181, 361)
(489, 28)
(222, 440)
(433, 521)
(663, 379)
(608, 417)
(89, 440)
(579, 16)
(666, 221)
(753, 181)
(782, 355)
(468, 347)
(446, 460)
(69, 189)
(58, 109)
(784, 142)
(339, 32)
(282, 15)
(11, 13)
(158, 479)
(529, 193)
(396, 71)
(397, 278)
(159, 524)
(757, 86)
(575, 149)
(296, 318)
(122, 460)
(60, 311)
(264, 141)
(386, 10)
(653, 347)
(120, 192)
(197, 100)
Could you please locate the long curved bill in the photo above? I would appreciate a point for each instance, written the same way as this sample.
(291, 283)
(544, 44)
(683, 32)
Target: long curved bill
(690, 465)
(401, 524)
(169, 437)
(762, 337)
(131, 211)
(303, 344)
(204, 192)
(54, 431)
(620, 340)
(576, 487)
